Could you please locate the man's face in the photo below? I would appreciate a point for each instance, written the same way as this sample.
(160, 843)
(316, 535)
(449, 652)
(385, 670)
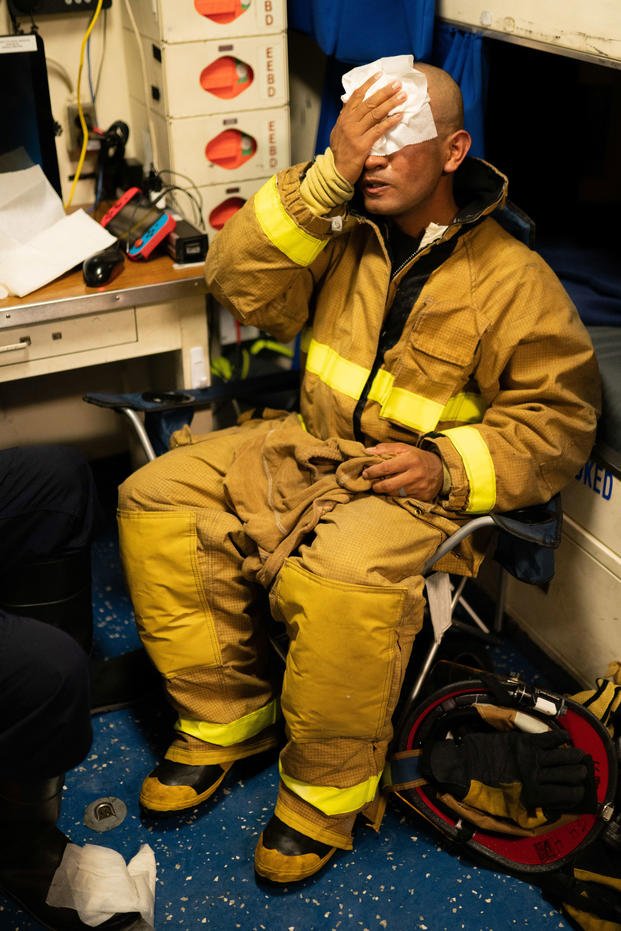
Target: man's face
(397, 184)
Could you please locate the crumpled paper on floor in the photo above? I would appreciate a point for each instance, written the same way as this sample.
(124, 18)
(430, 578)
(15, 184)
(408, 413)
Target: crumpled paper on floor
(417, 124)
(97, 883)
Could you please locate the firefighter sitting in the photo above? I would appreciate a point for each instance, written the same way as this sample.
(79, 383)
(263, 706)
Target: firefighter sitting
(446, 374)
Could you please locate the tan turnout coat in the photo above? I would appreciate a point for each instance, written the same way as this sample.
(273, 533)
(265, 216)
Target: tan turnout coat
(492, 365)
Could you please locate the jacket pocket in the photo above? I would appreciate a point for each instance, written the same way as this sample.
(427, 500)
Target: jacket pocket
(429, 367)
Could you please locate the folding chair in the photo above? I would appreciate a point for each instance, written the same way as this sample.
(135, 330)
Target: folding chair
(522, 542)
(155, 415)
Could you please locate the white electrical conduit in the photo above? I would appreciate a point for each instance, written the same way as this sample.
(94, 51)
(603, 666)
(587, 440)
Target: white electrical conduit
(145, 82)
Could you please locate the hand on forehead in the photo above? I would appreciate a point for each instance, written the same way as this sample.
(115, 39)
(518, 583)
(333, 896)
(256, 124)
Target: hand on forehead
(417, 123)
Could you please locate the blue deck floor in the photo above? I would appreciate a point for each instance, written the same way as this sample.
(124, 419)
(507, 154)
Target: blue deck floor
(401, 879)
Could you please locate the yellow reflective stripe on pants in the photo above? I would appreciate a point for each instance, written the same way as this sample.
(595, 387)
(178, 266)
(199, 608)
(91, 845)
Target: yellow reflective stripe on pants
(478, 465)
(330, 800)
(281, 229)
(226, 735)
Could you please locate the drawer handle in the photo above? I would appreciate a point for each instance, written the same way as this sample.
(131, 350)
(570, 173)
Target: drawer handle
(23, 343)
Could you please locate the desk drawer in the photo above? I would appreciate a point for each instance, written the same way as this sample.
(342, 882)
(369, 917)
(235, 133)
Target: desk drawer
(63, 337)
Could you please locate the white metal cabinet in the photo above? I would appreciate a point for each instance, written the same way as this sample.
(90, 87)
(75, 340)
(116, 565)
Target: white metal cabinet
(591, 30)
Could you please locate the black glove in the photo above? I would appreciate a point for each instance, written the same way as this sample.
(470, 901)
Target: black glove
(503, 773)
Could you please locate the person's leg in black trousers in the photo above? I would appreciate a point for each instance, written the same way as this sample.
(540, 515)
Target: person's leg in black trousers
(45, 729)
(48, 511)
(47, 508)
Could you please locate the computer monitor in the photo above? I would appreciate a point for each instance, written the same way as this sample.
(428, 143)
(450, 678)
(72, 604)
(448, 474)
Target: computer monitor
(26, 123)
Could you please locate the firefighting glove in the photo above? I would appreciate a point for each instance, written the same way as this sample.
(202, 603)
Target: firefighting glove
(511, 774)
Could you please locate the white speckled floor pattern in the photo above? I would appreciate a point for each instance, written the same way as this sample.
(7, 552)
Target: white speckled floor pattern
(401, 879)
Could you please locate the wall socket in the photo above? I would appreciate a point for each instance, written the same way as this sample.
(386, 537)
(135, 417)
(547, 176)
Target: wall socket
(74, 139)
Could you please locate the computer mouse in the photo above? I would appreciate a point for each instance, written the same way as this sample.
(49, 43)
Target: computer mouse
(101, 267)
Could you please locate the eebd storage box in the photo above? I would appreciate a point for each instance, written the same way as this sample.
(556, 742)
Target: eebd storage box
(197, 20)
(235, 147)
(197, 78)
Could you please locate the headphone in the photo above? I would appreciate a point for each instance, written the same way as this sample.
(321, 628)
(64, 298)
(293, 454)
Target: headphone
(111, 160)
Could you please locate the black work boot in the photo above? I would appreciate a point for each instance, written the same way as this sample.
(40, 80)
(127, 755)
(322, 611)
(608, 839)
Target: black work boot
(173, 787)
(31, 848)
(284, 855)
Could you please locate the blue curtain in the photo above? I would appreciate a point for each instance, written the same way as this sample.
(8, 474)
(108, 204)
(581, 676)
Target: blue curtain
(358, 31)
(462, 55)
(353, 32)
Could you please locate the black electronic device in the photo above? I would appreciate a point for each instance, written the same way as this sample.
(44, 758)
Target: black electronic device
(111, 162)
(140, 224)
(186, 243)
(45, 7)
(104, 266)
(27, 136)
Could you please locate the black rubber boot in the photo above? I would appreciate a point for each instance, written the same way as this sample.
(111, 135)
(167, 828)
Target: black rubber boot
(31, 848)
(56, 591)
(284, 855)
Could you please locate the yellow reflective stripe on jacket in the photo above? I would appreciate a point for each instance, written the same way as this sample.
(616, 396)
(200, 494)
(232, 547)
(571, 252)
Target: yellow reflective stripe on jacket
(411, 410)
(333, 370)
(234, 733)
(478, 465)
(306, 338)
(420, 413)
(465, 407)
(281, 229)
(398, 404)
(329, 799)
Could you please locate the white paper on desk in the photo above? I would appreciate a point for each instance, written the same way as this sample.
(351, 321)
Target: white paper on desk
(38, 242)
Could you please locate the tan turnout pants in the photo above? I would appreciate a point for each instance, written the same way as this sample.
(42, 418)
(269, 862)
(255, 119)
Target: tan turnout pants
(350, 596)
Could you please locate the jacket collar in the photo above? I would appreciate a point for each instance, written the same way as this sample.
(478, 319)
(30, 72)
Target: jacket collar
(479, 189)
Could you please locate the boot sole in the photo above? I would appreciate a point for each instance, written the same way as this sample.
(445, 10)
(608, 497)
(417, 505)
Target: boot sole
(278, 876)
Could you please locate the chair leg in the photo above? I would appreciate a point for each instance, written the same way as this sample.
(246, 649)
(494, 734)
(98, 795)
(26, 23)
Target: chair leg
(420, 679)
(439, 603)
(141, 433)
(473, 615)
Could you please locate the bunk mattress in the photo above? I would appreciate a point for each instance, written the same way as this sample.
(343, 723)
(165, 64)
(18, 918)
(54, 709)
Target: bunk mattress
(607, 343)
(592, 279)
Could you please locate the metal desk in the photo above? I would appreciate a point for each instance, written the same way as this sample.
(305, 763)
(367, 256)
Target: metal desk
(151, 308)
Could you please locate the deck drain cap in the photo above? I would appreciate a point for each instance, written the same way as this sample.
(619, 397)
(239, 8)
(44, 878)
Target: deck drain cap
(105, 813)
